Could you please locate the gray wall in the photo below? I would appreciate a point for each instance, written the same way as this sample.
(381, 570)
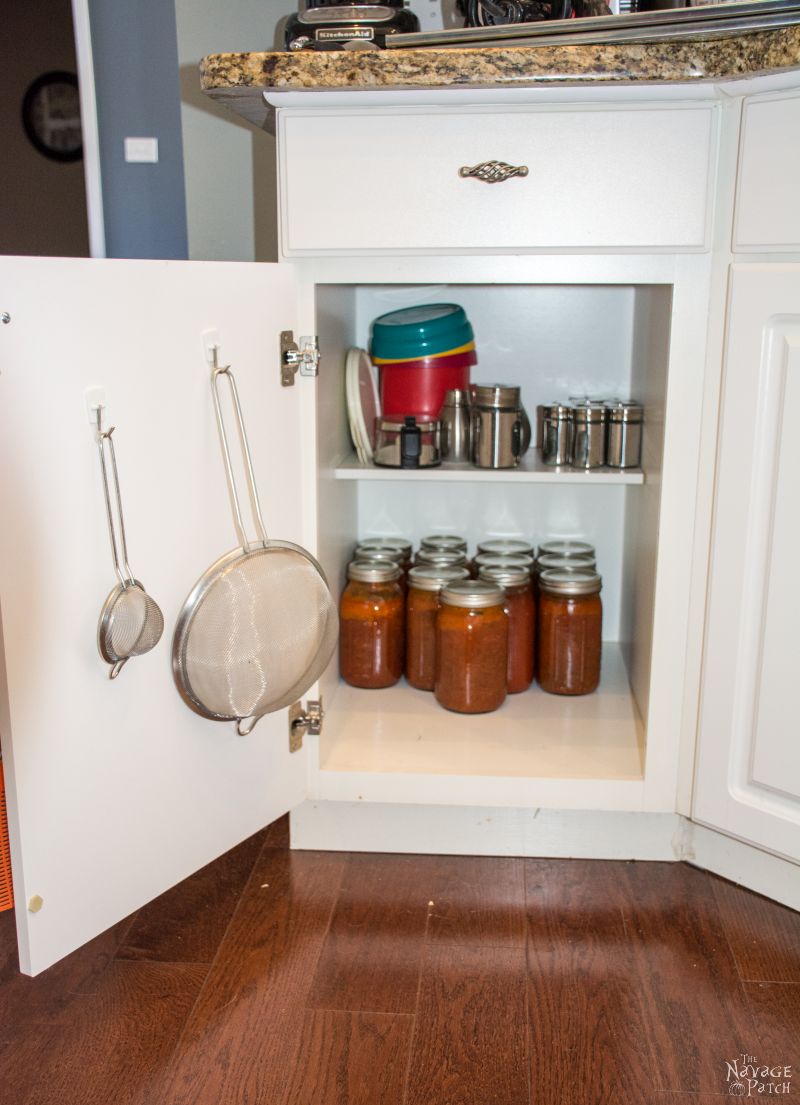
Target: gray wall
(43, 209)
(138, 95)
(230, 164)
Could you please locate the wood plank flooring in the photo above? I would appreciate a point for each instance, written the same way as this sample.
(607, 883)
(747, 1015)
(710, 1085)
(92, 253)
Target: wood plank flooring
(274, 977)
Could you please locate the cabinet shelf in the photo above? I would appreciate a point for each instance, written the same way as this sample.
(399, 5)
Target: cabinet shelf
(534, 735)
(531, 470)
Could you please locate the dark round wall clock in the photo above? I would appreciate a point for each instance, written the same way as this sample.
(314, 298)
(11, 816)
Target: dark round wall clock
(51, 116)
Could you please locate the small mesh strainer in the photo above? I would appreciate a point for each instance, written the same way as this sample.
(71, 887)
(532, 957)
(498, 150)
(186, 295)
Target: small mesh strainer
(131, 622)
(260, 625)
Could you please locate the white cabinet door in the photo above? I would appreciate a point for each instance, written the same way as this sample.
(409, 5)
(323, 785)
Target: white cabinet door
(116, 790)
(748, 771)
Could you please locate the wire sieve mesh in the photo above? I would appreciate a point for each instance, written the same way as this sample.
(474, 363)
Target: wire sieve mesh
(133, 625)
(258, 635)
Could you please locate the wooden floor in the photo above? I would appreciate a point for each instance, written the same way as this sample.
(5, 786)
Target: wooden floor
(279, 978)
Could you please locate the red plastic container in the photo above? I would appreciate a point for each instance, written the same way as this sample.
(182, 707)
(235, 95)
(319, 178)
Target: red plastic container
(420, 386)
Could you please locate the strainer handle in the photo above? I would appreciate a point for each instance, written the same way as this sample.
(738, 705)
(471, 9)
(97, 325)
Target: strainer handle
(255, 506)
(104, 437)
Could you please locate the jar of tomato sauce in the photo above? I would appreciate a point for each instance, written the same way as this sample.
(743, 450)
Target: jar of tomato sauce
(371, 625)
(422, 605)
(570, 631)
(521, 610)
(471, 647)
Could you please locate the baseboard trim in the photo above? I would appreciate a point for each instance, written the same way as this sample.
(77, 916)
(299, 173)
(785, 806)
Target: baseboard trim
(741, 863)
(485, 831)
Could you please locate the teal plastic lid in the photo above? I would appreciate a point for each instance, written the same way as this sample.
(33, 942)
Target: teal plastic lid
(422, 331)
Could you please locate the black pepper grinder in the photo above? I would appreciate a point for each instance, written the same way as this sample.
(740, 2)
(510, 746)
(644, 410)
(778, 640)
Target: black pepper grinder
(410, 443)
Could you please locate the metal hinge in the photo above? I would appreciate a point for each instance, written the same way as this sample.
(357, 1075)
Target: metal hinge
(304, 721)
(303, 355)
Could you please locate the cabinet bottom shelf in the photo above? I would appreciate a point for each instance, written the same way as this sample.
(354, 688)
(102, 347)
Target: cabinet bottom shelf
(533, 735)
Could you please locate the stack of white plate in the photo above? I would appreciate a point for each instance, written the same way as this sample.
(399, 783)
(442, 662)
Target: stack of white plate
(363, 404)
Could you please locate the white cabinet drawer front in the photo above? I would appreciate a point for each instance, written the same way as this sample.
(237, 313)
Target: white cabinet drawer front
(597, 179)
(767, 208)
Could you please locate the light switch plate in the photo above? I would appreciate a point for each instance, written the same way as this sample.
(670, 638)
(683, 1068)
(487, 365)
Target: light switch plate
(141, 149)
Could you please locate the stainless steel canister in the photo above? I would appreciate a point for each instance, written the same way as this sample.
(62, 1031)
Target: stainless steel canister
(497, 426)
(557, 430)
(456, 422)
(624, 448)
(589, 435)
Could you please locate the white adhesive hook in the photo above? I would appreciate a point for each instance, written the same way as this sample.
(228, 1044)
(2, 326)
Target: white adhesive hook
(95, 399)
(211, 346)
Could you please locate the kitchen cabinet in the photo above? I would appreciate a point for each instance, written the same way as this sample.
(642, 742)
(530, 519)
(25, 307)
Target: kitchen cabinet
(117, 789)
(748, 771)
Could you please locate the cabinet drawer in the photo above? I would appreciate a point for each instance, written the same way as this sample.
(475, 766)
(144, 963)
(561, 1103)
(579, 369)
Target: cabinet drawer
(598, 179)
(767, 208)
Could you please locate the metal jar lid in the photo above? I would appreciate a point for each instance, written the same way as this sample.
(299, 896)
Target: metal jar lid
(519, 560)
(556, 582)
(549, 562)
(566, 547)
(506, 576)
(473, 593)
(446, 542)
(501, 396)
(375, 544)
(429, 577)
(441, 557)
(373, 571)
(387, 556)
(625, 412)
(505, 546)
(556, 412)
(589, 412)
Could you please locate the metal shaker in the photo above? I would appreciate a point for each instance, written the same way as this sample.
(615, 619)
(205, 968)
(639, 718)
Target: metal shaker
(589, 434)
(624, 448)
(497, 426)
(456, 427)
(557, 429)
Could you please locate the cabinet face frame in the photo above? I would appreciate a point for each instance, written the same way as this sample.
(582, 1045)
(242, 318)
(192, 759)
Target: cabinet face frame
(688, 278)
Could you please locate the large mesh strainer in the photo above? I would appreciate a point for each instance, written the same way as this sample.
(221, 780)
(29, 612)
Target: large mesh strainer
(260, 625)
(131, 622)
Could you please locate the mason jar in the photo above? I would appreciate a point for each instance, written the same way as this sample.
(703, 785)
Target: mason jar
(521, 610)
(422, 605)
(371, 625)
(471, 647)
(570, 631)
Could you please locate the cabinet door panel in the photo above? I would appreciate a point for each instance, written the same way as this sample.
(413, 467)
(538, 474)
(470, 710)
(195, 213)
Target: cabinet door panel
(748, 776)
(386, 180)
(116, 790)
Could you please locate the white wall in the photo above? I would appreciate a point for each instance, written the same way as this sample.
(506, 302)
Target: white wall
(229, 165)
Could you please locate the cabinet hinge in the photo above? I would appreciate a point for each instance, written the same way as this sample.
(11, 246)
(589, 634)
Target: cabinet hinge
(302, 354)
(304, 721)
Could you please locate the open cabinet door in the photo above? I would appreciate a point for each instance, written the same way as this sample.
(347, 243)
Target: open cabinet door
(116, 790)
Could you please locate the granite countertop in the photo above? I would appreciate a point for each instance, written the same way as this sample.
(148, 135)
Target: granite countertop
(240, 79)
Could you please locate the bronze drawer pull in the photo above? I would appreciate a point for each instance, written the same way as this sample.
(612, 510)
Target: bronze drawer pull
(492, 172)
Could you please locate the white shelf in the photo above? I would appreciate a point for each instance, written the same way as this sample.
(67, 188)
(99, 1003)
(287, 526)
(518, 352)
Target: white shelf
(534, 735)
(531, 470)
